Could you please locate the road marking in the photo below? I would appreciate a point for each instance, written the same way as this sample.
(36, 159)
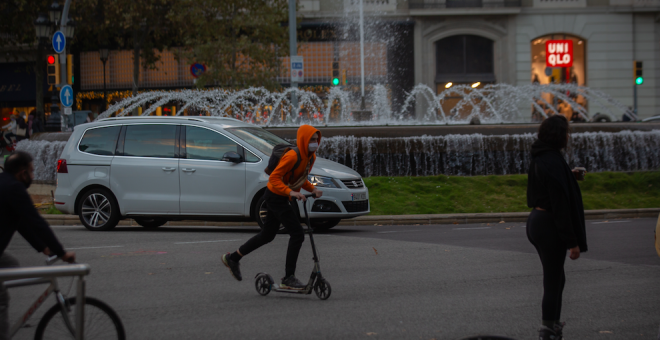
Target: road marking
(205, 241)
(96, 247)
(470, 228)
(610, 222)
(396, 231)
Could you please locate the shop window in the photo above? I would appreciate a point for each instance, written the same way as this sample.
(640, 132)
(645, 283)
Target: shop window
(553, 71)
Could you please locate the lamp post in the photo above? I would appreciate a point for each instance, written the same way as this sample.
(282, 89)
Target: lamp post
(43, 29)
(104, 53)
(55, 11)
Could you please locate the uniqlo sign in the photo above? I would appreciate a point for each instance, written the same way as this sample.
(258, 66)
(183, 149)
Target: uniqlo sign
(559, 53)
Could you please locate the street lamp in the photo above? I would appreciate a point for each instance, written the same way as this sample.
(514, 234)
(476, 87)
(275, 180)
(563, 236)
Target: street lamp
(104, 53)
(42, 27)
(70, 27)
(55, 11)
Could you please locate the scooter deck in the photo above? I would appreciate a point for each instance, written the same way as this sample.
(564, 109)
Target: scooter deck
(278, 288)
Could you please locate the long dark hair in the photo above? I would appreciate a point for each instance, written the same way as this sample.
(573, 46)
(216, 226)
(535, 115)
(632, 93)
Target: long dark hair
(554, 131)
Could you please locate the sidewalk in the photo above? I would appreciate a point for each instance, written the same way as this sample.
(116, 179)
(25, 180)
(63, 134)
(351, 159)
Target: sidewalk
(399, 219)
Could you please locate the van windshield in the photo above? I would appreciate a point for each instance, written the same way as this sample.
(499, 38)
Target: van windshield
(260, 139)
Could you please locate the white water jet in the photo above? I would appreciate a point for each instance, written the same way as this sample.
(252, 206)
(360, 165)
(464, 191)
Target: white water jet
(492, 104)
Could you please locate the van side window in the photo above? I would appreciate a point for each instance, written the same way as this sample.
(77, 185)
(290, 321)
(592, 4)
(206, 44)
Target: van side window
(150, 140)
(206, 144)
(250, 157)
(100, 141)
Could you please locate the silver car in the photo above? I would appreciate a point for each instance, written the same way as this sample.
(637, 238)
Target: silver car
(159, 169)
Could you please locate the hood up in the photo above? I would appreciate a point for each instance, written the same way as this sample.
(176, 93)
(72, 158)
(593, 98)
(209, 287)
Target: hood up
(305, 133)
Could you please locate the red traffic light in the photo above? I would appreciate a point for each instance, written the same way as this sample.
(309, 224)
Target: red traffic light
(51, 60)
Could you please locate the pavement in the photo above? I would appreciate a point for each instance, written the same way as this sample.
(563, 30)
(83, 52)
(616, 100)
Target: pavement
(389, 282)
(399, 219)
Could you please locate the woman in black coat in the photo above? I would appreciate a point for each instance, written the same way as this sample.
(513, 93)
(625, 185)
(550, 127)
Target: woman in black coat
(556, 223)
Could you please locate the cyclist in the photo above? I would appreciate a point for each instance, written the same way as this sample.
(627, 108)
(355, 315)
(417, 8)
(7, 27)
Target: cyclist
(19, 214)
(283, 185)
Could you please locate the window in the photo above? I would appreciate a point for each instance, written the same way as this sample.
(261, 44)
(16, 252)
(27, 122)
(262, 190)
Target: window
(206, 144)
(101, 141)
(250, 157)
(260, 139)
(464, 59)
(150, 141)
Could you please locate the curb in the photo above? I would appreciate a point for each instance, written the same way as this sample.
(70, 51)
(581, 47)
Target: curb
(398, 219)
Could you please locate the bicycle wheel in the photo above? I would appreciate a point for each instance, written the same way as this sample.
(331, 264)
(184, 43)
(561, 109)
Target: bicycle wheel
(101, 322)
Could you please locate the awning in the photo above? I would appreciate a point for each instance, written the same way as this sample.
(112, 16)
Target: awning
(458, 78)
(18, 83)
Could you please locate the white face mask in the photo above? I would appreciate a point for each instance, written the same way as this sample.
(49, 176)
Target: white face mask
(312, 147)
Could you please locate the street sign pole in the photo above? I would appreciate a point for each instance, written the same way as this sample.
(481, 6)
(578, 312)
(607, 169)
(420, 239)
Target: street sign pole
(293, 51)
(63, 21)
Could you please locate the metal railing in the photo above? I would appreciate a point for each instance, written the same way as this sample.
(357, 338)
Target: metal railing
(17, 277)
(438, 4)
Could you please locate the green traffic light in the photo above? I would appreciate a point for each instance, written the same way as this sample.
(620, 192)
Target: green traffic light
(335, 81)
(639, 80)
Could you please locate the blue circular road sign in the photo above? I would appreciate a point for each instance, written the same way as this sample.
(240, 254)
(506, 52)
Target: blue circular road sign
(66, 96)
(59, 41)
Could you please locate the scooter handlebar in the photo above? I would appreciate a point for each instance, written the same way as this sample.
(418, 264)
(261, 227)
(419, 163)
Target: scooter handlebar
(310, 195)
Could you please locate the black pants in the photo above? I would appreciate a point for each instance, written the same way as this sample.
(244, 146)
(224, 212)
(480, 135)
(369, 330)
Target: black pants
(543, 234)
(280, 211)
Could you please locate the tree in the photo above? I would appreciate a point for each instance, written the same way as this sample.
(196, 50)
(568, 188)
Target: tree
(18, 38)
(240, 41)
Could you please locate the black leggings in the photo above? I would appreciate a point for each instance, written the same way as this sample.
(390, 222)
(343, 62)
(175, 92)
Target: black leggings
(542, 233)
(280, 211)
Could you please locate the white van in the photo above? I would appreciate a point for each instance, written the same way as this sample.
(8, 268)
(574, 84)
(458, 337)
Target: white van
(159, 169)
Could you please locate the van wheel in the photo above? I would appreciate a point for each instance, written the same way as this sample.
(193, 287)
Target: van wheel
(260, 214)
(325, 224)
(150, 223)
(98, 210)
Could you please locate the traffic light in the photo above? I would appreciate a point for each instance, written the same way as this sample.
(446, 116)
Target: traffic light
(53, 69)
(639, 76)
(69, 69)
(343, 77)
(335, 73)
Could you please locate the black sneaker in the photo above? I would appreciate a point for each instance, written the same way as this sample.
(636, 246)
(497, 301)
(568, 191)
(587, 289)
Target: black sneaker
(234, 267)
(546, 333)
(290, 282)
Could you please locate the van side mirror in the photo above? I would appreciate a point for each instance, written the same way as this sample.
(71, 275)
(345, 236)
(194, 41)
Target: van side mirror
(232, 156)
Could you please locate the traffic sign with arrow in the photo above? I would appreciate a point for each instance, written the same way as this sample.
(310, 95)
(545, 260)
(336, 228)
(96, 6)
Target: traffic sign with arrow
(66, 96)
(59, 42)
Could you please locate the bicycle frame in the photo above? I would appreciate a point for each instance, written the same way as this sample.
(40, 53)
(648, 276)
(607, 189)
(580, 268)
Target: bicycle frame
(27, 276)
(52, 288)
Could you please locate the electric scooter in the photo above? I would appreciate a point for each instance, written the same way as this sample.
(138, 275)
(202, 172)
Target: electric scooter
(264, 283)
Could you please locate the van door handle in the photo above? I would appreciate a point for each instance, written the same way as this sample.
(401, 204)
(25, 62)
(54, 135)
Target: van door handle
(188, 170)
(169, 169)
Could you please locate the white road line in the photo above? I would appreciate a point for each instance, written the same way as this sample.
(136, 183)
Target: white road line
(470, 228)
(610, 222)
(396, 231)
(205, 241)
(96, 247)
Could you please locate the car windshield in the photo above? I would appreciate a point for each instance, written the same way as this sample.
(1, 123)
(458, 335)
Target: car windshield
(260, 139)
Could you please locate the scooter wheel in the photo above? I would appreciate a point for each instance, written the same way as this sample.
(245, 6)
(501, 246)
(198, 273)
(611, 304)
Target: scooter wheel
(263, 284)
(322, 289)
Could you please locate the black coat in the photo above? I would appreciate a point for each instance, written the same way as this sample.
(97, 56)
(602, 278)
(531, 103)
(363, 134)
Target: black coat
(17, 213)
(550, 177)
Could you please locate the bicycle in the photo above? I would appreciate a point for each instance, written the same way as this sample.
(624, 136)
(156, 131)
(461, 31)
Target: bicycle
(100, 320)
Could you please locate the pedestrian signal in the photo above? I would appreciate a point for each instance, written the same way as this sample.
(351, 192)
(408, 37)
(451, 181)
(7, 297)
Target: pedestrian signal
(53, 69)
(639, 76)
(335, 73)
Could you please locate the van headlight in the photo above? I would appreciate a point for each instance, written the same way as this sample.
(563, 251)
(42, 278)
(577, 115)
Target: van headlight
(322, 182)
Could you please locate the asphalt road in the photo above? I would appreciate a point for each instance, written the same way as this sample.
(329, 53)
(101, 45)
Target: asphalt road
(389, 282)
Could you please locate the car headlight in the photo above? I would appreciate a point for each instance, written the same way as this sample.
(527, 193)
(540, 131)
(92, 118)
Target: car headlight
(321, 181)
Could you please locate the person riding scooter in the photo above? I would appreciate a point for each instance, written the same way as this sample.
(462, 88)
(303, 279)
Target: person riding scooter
(284, 184)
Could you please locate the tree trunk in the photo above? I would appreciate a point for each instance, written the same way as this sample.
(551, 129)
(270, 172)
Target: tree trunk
(39, 73)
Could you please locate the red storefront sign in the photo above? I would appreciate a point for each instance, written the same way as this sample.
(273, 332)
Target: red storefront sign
(559, 53)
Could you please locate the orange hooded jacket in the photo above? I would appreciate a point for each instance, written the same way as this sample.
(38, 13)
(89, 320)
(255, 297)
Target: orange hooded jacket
(277, 181)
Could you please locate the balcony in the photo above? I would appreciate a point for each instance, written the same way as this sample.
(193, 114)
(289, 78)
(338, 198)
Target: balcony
(440, 4)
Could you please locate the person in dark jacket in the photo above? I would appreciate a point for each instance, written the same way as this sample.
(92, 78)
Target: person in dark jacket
(556, 223)
(19, 214)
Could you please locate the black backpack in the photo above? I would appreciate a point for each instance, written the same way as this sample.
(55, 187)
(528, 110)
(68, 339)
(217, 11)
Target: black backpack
(280, 150)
